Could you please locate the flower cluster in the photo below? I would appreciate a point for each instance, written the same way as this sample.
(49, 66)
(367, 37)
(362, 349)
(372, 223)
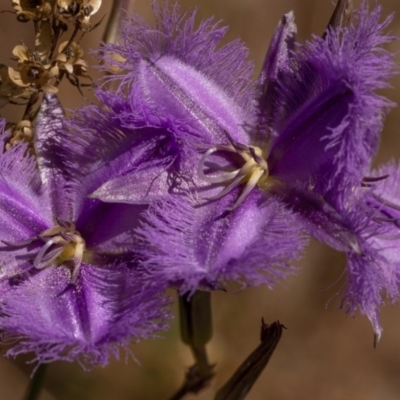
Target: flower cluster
(235, 173)
(191, 175)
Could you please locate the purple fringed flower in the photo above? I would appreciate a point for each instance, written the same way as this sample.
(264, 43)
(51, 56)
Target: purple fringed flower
(181, 95)
(245, 168)
(70, 286)
(324, 119)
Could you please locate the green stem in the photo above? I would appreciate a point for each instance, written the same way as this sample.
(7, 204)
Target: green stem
(36, 383)
(196, 331)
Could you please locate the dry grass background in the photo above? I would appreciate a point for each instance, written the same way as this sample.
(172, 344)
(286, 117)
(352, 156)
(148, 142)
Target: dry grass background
(323, 354)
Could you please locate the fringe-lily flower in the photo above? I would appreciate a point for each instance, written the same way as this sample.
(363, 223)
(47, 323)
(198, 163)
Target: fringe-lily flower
(238, 172)
(323, 120)
(179, 96)
(70, 287)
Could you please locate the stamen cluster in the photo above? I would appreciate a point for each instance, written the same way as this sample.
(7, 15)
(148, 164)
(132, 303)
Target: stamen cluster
(253, 170)
(62, 244)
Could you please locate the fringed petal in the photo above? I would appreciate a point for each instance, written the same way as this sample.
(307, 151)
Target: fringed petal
(105, 311)
(175, 36)
(121, 158)
(353, 55)
(24, 209)
(139, 187)
(374, 274)
(191, 245)
(319, 218)
(278, 56)
(108, 227)
(174, 76)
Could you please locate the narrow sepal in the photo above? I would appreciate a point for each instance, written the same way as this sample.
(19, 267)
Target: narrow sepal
(49, 146)
(276, 61)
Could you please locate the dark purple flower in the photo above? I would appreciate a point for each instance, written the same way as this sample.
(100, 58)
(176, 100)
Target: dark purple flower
(70, 286)
(238, 170)
(324, 119)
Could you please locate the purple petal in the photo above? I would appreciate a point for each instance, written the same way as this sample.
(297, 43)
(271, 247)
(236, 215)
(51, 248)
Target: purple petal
(49, 145)
(374, 275)
(363, 291)
(353, 57)
(109, 226)
(119, 159)
(320, 219)
(276, 61)
(193, 245)
(301, 152)
(190, 96)
(176, 74)
(139, 187)
(24, 210)
(89, 322)
(175, 36)
(278, 55)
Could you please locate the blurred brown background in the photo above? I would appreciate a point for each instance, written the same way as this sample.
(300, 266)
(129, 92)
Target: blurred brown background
(324, 354)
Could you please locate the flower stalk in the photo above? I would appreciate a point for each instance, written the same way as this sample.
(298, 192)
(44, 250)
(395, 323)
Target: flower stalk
(196, 331)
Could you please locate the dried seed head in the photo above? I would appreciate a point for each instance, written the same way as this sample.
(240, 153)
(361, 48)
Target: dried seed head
(81, 10)
(21, 132)
(71, 59)
(32, 74)
(27, 10)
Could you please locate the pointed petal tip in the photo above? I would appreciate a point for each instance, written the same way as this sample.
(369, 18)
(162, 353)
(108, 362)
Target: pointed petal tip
(377, 338)
(373, 316)
(289, 18)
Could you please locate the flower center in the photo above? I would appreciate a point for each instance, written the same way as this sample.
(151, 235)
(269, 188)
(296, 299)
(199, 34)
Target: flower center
(63, 244)
(253, 170)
